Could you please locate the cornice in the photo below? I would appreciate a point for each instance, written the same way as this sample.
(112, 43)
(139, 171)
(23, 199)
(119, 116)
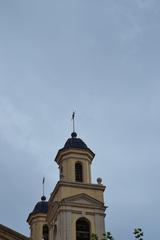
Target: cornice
(76, 185)
(36, 217)
(64, 152)
(81, 205)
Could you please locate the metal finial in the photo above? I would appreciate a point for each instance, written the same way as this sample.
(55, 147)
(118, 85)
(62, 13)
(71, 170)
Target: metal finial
(73, 119)
(43, 184)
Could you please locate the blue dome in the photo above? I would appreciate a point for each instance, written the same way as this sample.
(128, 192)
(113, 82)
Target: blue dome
(41, 207)
(75, 142)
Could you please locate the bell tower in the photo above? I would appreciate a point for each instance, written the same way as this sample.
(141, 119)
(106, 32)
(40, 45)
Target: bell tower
(76, 205)
(75, 160)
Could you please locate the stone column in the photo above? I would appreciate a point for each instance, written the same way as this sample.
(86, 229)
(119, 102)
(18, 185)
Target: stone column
(64, 226)
(100, 227)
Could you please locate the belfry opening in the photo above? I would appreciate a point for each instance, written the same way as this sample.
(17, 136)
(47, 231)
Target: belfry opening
(82, 229)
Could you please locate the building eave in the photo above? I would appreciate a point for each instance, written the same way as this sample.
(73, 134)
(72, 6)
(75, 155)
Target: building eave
(11, 234)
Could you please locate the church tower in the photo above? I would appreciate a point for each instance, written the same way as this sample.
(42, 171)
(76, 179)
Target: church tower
(76, 206)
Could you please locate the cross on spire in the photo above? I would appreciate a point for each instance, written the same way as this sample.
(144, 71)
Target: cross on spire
(43, 184)
(73, 120)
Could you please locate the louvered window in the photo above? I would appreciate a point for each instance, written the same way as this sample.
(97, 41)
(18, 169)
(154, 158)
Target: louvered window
(78, 172)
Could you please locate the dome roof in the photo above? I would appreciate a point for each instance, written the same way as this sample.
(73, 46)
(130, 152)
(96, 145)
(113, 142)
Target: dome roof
(40, 207)
(75, 142)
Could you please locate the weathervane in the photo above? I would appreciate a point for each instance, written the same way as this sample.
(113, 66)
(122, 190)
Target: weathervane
(43, 198)
(73, 116)
(43, 184)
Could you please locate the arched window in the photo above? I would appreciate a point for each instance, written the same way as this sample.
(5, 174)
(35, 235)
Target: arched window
(45, 232)
(78, 172)
(82, 229)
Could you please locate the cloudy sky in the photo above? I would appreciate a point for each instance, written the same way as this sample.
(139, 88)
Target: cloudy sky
(102, 59)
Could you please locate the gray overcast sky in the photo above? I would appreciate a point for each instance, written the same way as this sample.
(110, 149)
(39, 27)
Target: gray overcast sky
(101, 58)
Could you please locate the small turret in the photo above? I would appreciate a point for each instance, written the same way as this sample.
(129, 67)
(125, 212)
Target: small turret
(37, 220)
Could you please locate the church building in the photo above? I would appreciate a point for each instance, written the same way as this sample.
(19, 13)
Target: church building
(75, 208)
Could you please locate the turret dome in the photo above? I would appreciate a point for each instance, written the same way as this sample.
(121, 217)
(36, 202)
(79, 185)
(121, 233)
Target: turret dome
(75, 142)
(40, 207)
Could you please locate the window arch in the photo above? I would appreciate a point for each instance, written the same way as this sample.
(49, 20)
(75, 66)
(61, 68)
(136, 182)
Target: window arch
(82, 229)
(78, 172)
(45, 232)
